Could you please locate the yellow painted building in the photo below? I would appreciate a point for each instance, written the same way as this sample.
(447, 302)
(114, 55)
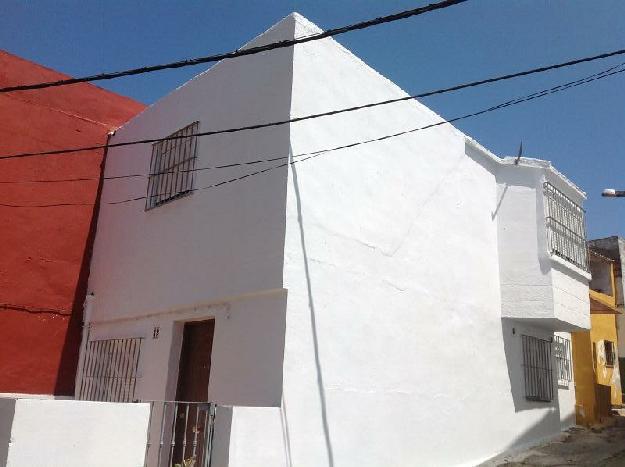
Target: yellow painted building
(595, 359)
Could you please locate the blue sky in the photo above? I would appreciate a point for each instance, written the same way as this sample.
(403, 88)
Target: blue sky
(581, 131)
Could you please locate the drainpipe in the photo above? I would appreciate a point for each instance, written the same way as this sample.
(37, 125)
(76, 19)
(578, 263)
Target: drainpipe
(88, 304)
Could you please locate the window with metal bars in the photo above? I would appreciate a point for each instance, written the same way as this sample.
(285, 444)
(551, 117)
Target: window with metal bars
(172, 167)
(562, 353)
(109, 371)
(566, 232)
(610, 354)
(537, 369)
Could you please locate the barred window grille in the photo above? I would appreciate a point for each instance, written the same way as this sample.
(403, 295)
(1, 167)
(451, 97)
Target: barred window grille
(109, 370)
(610, 354)
(537, 369)
(172, 167)
(562, 353)
(566, 232)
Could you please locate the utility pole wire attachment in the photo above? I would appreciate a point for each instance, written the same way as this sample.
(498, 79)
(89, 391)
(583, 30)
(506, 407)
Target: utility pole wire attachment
(518, 157)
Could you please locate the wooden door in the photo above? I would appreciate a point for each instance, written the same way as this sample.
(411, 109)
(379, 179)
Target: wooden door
(193, 377)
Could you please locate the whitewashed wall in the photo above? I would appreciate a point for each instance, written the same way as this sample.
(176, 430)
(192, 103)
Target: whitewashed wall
(216, 243)
(395, 347)
(370, 275)
(204, 255)
(247, 353)
(68, 433)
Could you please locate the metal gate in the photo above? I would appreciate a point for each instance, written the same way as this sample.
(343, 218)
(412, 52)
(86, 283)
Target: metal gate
(180, 434)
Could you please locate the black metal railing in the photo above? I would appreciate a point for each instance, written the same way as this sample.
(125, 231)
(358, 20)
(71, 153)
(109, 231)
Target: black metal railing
(562, 353)
(172, 167)
(109, 370)
(180, 434)
(537, 369)
(566, 232)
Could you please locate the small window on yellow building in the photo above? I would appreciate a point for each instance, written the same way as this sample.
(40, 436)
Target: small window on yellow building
(610, 355)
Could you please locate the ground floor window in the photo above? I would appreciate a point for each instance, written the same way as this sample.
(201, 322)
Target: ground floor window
(562, 353)
(537, 369)
(109, 371)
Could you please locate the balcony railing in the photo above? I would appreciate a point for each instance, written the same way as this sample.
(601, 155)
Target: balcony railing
(566, 233)
(566, 244)
(180, 434)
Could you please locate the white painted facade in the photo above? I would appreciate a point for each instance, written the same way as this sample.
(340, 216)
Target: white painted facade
(365, 299)
(67, 433)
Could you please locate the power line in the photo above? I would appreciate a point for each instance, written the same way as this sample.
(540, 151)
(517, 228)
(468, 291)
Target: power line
(310, 155)
(458, 87)
(605, 72)
(240, 53)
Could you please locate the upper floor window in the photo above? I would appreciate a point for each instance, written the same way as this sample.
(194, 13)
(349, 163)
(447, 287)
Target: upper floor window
(172, 167)
(566, 233)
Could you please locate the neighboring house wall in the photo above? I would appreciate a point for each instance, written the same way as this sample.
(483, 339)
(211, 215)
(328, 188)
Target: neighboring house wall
(67, 433)
(597, 375)
(585, 381)
(614, 248)
(45, 251)
(604, 329)
(597, 384)
(364, 282)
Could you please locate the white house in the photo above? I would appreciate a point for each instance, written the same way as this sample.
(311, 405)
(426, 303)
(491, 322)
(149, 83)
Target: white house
(389, 304)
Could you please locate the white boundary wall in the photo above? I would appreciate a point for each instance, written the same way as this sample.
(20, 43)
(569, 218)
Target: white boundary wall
(68, 433)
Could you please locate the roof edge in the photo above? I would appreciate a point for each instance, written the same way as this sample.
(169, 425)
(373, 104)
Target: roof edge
(526, 162)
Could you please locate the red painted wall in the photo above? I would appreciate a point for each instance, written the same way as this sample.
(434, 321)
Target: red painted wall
(44, 252)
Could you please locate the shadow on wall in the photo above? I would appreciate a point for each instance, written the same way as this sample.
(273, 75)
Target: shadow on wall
(512, 332)
(502, 195)
(220, 454)
(533, 436)
(66, 374)
(286, 434)
(311, 306)
(548, 424)
(7, 412)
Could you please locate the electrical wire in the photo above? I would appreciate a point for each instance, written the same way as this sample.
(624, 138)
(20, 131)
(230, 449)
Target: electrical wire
(458, 87)
(310, 155)
(240, 52)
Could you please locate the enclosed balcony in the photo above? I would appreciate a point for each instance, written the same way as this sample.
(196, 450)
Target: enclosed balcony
(542, 247)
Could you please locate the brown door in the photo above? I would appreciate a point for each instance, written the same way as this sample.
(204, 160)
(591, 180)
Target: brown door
(193, 375)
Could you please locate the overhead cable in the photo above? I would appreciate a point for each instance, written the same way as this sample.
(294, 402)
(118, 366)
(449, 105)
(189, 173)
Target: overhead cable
(240, 52)
(310, 155)
(458, 87)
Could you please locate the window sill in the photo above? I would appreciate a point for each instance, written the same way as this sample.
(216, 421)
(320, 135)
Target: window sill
(569, 266)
